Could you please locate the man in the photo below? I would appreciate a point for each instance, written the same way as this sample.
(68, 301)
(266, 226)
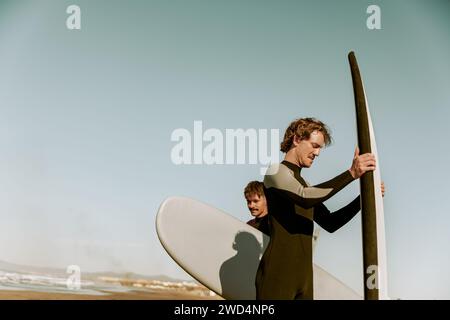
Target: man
(285, 270)
(257, 205)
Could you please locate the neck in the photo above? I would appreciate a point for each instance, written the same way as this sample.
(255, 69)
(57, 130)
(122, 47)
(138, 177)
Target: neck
(290, 157)
(261, 215)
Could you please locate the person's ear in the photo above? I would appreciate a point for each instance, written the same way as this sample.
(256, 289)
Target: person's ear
(295, 140)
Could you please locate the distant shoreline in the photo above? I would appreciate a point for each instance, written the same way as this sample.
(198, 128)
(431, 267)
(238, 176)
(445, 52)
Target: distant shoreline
(130, 295)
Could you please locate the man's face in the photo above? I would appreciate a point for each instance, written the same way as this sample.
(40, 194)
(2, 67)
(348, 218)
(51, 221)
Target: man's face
(257, 205)
(307, 150)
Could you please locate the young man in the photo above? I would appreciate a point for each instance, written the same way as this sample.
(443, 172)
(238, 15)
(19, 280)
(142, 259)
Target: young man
(257, 205)
(285, 270)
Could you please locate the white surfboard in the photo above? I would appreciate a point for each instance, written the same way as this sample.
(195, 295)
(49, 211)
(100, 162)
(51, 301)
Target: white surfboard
(222, 252)
(381, 232)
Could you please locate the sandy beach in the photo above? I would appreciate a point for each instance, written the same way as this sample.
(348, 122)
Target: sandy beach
(130, 295)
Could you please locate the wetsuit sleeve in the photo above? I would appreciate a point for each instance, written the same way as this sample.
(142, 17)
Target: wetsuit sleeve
(307, 197)
(335, 220)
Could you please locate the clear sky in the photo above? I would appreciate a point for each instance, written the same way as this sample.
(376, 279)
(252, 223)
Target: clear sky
(86, 118)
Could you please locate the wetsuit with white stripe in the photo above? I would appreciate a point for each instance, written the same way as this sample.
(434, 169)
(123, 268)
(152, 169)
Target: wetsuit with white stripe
(285, 270)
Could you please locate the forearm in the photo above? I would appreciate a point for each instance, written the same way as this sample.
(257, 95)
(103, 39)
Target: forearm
(335, 220)
(336, 184)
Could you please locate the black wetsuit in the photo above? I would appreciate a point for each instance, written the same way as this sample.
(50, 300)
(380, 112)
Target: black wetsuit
(286, 270)
(262, 224)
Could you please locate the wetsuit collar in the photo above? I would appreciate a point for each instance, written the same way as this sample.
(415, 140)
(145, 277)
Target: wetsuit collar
(292, 166)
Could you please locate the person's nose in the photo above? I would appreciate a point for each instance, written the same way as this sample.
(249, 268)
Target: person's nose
(316, 152)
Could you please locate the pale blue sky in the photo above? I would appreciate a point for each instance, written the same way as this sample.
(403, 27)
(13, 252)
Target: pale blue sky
(86, 118)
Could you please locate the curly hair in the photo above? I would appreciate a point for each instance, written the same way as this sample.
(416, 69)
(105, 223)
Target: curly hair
(303, 128)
